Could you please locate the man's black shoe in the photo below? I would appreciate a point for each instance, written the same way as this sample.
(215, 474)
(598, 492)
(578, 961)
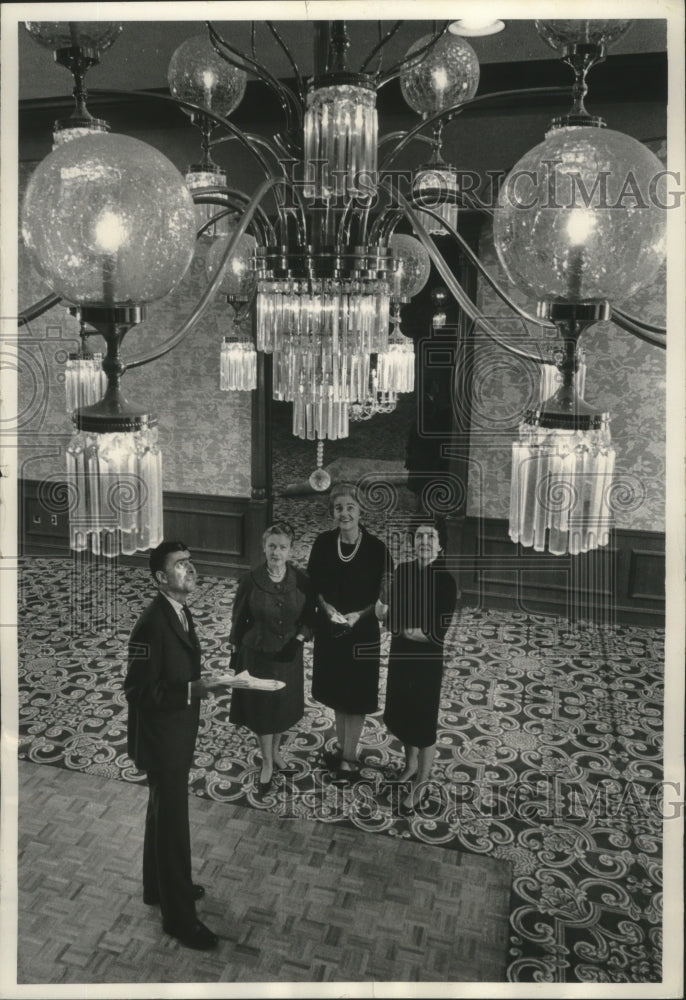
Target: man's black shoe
(199, 937)
(198, 893)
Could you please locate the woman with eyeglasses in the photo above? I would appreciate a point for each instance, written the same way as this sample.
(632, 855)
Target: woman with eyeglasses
(272, 618)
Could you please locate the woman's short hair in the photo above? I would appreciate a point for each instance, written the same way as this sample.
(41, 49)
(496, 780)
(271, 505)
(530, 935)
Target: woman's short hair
(279, 528)
(344, 490)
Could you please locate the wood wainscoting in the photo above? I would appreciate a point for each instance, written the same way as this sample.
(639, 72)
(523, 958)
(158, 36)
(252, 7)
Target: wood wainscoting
(623, 582)
(223, 533)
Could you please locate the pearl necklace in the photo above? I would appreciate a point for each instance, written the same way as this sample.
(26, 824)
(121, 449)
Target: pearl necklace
(276, 579)
(352, 555)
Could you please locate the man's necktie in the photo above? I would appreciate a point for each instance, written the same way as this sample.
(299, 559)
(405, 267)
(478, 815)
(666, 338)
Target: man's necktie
(184, 618)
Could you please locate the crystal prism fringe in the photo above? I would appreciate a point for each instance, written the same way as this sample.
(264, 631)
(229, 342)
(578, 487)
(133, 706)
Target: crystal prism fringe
(115, 483)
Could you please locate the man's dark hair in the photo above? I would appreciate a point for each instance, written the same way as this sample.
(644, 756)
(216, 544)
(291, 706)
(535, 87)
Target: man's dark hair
(158, 556)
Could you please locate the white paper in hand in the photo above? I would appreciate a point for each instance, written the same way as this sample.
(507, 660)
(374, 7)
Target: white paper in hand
(246, 680)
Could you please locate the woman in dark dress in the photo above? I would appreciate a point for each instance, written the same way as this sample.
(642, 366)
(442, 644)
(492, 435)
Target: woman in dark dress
(347, 570)
(422, 600)
(272, 617)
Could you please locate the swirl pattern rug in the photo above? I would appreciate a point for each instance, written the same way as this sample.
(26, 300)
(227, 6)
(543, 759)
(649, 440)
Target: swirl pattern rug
(549, 755)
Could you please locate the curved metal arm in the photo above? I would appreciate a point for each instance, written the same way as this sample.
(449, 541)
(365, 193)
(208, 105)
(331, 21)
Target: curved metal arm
(284, 95)
(454, 286)
(234, 201)
(379, 45)
(289, 56)
(400, 135)
(449, 113)
(210, 291)
(233, 209)
(647, 327)
(638, 329)
(37, 309)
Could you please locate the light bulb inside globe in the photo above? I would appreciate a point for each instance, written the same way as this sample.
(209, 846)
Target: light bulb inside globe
(199, 75)
(110, 233)
(446, 75)
(581, 217)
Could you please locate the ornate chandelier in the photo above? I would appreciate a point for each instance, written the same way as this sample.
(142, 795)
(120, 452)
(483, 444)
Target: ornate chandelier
(111, 226)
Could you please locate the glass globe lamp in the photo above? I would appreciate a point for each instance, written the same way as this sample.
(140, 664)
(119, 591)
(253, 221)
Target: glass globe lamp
(579, 218)
(414, 267)
(199, 75)
(562, 35)
(239, 279)
(109, 222)
(448, 74)
(93, 36)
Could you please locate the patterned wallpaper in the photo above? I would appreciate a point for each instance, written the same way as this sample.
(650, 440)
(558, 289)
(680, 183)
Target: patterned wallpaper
(204, 432)
(625, 376)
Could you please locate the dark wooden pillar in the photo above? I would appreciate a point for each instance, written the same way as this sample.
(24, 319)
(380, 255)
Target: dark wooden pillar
(261, 497)
(457, 451)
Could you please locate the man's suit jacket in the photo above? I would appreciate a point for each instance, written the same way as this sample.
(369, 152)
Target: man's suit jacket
(163, 658)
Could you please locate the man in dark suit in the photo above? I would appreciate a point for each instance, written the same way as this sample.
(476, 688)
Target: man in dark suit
(163, 688)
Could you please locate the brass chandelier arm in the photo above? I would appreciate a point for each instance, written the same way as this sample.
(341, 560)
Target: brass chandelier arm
(287, 99)
(206, 298)
(379, 46)
(454, 286)
(409, 62)
(638, 329)
(37, 309)
(289, 55)
(456, 109)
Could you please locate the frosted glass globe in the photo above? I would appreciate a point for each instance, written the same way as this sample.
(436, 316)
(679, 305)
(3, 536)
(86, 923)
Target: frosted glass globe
(561, 34)
(448, 74)
(581, 217)
(414, 266)
(239, 280)
(94, 35)
(199, 75)
(109, 221)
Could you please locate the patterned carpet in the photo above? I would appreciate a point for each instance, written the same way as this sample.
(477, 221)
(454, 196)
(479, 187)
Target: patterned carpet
(549, 756)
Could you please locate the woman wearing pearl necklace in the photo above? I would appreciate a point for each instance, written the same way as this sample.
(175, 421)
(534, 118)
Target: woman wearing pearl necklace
(347, 568)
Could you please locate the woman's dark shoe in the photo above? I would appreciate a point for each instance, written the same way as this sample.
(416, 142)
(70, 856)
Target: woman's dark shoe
(199, 937)
(347, 773)
(264, 786)
(332, 759)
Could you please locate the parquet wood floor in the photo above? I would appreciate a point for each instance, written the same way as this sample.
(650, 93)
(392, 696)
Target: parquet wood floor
(292, 900)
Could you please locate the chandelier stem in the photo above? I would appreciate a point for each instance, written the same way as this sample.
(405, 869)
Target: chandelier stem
(338, 47)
